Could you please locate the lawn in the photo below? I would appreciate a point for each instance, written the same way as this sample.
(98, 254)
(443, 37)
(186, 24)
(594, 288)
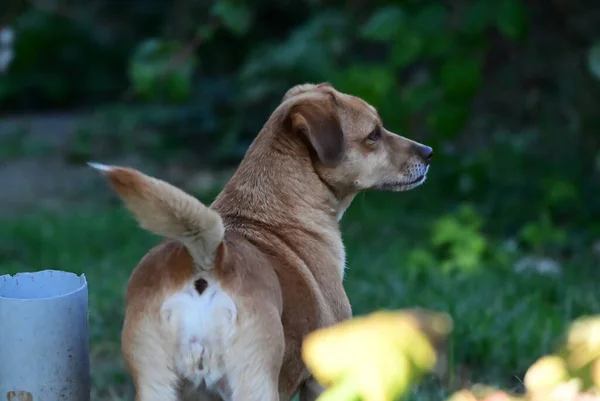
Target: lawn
(397, 258)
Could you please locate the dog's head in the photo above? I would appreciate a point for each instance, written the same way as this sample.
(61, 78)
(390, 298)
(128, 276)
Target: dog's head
(351, 148)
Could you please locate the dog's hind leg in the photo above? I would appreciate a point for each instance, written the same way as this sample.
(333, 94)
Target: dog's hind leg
(256, 356)
(147, 354)
(255, 385)
(156, 385)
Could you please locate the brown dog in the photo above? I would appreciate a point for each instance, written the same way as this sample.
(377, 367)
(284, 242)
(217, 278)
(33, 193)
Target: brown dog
(220, 309)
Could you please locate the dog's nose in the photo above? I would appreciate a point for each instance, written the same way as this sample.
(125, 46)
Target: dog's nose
(425, 152)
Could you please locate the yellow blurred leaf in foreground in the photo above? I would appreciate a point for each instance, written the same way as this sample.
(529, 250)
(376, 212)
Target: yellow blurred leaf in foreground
(375, 357)
(545, 373)
(596, 374)
(462, 395)
(583, 346)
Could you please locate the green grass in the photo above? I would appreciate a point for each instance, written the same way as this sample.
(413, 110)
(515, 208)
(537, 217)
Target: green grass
(503, 320)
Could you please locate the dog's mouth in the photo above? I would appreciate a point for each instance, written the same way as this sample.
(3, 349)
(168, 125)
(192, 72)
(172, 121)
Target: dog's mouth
(402, 185)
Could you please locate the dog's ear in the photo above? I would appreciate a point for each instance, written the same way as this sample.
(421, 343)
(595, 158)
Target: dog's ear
(318, 123)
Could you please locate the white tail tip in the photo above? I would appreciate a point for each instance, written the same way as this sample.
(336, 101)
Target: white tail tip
(100, 167)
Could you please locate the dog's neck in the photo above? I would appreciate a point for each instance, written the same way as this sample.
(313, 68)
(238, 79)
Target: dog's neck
(276, 189)
(276, 181)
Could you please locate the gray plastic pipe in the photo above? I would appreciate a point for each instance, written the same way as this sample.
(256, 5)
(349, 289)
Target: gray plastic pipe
(44, 343)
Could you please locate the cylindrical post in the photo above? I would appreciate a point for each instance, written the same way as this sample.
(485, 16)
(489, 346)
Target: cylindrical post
(44, 345)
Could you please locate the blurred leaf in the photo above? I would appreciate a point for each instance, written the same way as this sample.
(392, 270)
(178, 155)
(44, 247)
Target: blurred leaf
(458, 236)
(421, 258)
(462, 395)
(461, 77)
(511, 19)
(495, 395)
(559, 191)
(63, 48)
(440, 45)
(384, 24)
(546, 373)
(308, 53)
(448, 118)
(417, 97)
(477, 17)
(392, 110)
(596, 373)
(156, 72)
(206, 32)
(375, 357)
(235, 15)
(542, 234)
(583, 342)
(594, 60)
(178, 82)
(406, 49)
(430, 20)
(370, 82)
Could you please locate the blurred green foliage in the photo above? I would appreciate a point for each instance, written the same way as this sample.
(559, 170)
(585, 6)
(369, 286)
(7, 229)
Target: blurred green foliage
(570, 374)
(225, 63)
(452, 74)
(505, 91)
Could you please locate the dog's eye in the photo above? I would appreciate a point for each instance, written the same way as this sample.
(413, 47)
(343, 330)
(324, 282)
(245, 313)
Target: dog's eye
(375, 134)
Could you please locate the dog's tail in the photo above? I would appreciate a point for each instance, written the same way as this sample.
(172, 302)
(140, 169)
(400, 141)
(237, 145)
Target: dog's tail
(166, 210)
